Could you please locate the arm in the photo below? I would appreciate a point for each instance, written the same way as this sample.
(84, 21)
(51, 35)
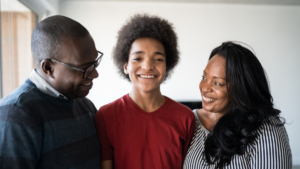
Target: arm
(20, 138)
(106, 148)
(190, 135)
(107, 164)
(272, 150)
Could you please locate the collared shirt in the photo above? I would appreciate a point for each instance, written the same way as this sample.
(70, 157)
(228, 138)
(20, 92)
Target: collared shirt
(43, 86)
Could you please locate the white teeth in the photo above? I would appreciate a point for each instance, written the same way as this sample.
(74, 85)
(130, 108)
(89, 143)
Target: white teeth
(147, 76)
(88, 84)
(207, 99)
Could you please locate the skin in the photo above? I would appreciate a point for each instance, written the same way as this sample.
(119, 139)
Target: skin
(146, 58)
(215, 98)
(79, 53)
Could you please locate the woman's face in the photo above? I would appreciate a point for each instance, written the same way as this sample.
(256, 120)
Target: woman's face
(146, 64)
(213, 86)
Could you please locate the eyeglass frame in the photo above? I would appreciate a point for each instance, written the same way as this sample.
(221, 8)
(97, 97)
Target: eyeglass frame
(82, 70)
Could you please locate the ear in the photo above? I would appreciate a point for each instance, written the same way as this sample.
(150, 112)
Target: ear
(125, 68)
(47, 67)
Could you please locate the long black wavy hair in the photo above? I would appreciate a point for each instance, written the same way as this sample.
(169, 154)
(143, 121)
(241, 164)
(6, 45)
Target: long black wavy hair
(251, 104)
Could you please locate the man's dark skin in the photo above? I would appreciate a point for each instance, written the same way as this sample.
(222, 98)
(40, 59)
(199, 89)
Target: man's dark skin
(79, 53)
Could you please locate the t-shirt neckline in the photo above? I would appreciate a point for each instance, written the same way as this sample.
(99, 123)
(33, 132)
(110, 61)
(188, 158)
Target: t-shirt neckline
(136, 107)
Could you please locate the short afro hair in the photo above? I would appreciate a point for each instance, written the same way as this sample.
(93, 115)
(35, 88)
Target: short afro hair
(144, 25)
(47, 35)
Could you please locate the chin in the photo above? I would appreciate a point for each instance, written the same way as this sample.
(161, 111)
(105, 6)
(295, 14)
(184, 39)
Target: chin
(208, 108)
(82, 95)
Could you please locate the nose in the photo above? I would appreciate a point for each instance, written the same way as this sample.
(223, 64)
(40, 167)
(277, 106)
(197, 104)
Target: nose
(205, 87)
(147, 64)
(94, 74)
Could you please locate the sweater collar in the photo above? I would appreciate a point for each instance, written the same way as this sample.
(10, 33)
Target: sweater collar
(44, 86)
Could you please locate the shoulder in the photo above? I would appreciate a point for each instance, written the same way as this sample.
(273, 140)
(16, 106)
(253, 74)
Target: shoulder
(23, 94)
(177, 105)
(271, 125)
(86, 104)
(110, 108)
(19, 106)
(272, 142)
(269, 133)
(179, 109)
(112, 105)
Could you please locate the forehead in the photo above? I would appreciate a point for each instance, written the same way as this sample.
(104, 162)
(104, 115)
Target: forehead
(147, 45)
(78, 51)
(216, 66)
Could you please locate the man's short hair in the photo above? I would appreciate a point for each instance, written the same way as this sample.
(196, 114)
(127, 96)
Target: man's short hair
(47, 35)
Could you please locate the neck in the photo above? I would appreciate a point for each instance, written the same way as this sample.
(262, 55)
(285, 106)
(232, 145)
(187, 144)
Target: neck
(214, 116)
(208, 119)
(148, 101)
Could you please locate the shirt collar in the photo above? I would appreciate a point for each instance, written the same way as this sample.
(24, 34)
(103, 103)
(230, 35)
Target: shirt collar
(44, 86)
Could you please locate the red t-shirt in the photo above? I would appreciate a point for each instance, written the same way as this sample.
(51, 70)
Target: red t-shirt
(135, 139)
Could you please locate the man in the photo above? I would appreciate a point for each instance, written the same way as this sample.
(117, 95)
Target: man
(47, 122)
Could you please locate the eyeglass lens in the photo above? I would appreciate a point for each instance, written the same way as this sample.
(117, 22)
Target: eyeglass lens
(91, 68)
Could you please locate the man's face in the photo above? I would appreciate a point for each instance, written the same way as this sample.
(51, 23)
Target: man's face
(80, 53)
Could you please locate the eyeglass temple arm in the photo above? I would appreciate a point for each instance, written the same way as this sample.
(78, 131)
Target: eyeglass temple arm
(69, 66)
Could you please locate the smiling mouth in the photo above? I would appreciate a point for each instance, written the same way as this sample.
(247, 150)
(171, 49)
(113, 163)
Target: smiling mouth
(88, 84)
(206, 99)
(147, 76)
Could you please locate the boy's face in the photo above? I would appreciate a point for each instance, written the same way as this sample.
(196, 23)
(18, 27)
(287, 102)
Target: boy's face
(146, 64)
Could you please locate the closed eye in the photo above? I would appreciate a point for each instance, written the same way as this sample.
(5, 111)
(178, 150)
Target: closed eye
(159, 59)
(137, 59)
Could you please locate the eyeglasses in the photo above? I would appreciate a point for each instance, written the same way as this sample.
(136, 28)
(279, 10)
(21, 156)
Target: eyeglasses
(87, 71)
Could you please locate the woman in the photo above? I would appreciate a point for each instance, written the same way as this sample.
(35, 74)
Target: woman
(238, 126)
(145, 129)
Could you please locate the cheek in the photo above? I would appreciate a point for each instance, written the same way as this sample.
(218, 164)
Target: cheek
(130, 68)
(223, 95)
(200, 86)
(162, 68)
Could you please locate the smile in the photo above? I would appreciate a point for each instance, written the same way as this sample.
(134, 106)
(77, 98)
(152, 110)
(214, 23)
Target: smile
(88, 84)
(147, 76)
(208, 99)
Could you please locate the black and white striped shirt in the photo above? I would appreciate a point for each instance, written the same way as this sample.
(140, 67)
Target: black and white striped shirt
(271, 150)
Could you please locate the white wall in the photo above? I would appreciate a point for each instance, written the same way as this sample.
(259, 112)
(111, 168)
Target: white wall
(272, 31)
(52, 6)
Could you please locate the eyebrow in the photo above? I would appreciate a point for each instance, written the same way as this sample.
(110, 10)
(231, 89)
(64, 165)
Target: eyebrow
(141, 52)
(214, 76)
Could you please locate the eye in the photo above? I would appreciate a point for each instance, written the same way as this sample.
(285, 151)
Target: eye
(218, 84)
(203, 78)
(137, 59)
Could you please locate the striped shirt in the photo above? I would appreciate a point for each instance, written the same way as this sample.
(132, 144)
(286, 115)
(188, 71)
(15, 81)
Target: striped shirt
(271, 150)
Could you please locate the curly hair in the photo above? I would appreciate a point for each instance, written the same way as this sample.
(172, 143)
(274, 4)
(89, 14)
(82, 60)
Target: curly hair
(251, 104)
(144, 25)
